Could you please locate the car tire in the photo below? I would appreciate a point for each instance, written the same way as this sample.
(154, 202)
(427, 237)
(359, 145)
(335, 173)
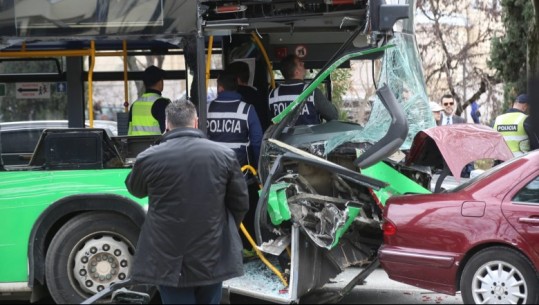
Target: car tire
(499, 275)
(89, 253)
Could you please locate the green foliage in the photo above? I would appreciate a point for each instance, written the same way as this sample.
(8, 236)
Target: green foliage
(340, 80)
(508, 53)
(340, 84)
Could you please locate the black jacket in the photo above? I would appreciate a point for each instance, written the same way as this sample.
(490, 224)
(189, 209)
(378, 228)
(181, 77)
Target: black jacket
(197, 199)
(251, 96)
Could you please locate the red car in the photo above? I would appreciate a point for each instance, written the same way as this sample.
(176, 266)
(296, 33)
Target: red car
(481, 238)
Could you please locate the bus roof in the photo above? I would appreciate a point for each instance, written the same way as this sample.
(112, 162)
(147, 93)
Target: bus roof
(70, 24)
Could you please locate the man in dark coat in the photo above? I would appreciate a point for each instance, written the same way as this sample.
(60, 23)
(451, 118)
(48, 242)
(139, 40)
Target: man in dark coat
(189, 243)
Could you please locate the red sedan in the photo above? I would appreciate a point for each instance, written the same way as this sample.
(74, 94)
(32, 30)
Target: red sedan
(481, 238)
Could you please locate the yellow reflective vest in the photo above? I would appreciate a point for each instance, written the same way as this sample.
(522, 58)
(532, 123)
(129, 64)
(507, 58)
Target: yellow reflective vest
(511, 126)
(142, 122)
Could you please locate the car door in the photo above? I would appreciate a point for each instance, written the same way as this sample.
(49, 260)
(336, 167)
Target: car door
(521, 209)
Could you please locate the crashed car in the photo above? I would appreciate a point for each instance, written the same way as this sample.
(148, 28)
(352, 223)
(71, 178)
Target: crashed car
(480, 239)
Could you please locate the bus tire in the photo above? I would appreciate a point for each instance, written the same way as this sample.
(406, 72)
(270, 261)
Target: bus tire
(89, 253)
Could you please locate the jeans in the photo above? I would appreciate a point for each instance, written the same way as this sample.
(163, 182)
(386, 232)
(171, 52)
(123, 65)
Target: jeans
(210, 294)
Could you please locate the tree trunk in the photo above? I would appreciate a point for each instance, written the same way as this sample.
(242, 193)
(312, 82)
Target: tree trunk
(533, 68)
(533, 45)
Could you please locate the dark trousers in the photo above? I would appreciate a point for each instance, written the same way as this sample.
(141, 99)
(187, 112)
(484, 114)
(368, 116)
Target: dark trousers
(210, 294)
(249, 219)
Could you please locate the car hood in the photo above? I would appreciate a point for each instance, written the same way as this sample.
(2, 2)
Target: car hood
(457, 145)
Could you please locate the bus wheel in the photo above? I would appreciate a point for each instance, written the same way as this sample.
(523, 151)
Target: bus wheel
(88, 254)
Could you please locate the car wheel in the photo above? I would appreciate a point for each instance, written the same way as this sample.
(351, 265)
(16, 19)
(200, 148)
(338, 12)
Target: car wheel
(88, 254)
(499, 275)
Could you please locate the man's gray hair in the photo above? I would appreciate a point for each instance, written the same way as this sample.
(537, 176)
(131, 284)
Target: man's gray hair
(181, 113)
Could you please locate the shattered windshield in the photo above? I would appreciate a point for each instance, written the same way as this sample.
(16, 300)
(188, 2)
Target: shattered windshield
(401, 70)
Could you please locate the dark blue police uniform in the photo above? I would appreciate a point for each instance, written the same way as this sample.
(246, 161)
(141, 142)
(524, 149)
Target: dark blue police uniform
(235, 124)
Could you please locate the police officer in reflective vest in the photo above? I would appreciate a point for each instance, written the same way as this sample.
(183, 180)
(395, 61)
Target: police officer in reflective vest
(316, 106)
(233, 122)
(515, 127)
(147, 113)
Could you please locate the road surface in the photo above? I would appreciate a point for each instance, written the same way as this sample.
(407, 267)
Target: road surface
(377, 289)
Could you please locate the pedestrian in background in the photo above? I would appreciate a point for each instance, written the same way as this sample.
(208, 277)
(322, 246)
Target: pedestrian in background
(448, 115)
(515, 126)
(475, 113)
(436, 112)
(189, 242)
(147, 113)
(449, 118)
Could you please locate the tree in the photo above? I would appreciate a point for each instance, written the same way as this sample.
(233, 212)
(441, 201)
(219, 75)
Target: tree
(533, 44)
(509, 52)
(453, 43)
(340, 81)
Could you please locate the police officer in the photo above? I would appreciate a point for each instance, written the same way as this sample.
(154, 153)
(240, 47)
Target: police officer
(515, 126)
(234, 122)
(250, 94)
(147, 113)
(316, 106)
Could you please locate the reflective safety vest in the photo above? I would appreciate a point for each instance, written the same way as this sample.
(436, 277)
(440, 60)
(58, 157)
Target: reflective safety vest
(142, 122)
(227, 123)
(511, 126)
(282, 96)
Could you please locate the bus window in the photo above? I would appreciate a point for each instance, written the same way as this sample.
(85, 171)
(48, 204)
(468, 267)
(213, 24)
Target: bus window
(33, 89)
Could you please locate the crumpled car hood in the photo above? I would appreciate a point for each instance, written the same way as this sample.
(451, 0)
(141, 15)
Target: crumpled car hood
(458, 145)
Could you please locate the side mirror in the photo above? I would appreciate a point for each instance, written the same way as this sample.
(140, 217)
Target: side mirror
(389, 14)
(383, 16)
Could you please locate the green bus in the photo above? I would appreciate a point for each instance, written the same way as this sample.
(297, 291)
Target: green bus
(69, 70)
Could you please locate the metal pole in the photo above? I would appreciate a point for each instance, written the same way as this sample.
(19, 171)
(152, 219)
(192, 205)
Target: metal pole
(201, 72)
(464, 64)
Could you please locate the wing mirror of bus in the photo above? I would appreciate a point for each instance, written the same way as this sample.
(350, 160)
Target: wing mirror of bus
(389, 14)
(384, 16)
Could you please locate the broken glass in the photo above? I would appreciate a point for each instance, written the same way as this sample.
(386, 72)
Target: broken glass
(402, 72)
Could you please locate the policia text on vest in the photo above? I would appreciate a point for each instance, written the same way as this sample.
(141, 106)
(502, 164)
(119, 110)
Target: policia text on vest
(511, 126)
(223, 125)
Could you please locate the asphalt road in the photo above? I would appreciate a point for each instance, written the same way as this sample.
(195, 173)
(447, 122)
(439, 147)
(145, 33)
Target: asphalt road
(377, 289)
